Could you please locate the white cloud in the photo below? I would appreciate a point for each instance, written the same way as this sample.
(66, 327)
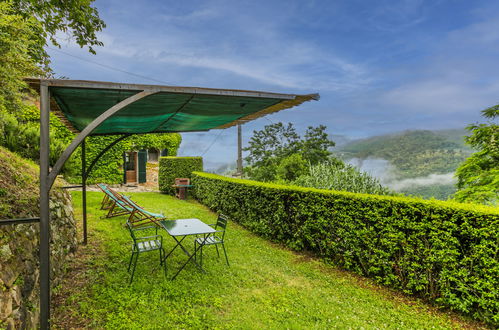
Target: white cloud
(261, 52)
(429, 180)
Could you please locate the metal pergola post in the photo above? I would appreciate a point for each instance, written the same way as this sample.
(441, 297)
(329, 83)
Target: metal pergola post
(44, 207)
(84, 190)
(47, 179)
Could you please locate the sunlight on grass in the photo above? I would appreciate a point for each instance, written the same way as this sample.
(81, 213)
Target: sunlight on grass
(265, 287)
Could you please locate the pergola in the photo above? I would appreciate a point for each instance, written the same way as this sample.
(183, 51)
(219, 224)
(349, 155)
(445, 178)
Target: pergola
(90, 108)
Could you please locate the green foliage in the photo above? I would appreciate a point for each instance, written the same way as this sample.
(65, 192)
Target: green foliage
(443, 251)
(291, 168)
(478, 176)
(19, 186)
(25, 26)
(109, 169)
(437, 191)
(315, 146)
(20, 133)
(335, 175)
(17, 36)
(413, 153)
(265, 287)
(76, 18)
(176, 167)
(276, 142)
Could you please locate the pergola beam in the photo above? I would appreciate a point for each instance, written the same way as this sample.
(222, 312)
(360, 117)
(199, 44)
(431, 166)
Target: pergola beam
(158, 88)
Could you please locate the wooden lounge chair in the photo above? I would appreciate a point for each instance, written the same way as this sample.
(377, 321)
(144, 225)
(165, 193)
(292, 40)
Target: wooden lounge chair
(114, 202)
(139, 216)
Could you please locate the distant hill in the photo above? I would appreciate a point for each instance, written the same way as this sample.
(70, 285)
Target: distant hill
(415, 154)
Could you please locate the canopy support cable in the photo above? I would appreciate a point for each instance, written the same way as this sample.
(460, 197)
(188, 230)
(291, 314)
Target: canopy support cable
(177, 111)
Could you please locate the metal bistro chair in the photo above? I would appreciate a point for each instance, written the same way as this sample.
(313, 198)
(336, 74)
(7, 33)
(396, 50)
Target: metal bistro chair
(144, 244)
(214, 239)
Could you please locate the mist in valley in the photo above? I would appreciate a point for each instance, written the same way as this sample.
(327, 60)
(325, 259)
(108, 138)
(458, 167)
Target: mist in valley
(390, 177)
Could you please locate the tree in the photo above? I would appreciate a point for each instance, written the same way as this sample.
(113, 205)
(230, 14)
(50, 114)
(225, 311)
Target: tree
(275, 141)
(269, 147)
(17, 39)
(315, 147)
(478, 176)
(291, 167)
(77, 18)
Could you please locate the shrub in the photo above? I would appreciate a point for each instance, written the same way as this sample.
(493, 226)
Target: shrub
(176, 167)
(335, 175)
(445, 252)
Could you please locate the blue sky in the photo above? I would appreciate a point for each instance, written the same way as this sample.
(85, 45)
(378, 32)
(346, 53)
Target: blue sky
(380, 66)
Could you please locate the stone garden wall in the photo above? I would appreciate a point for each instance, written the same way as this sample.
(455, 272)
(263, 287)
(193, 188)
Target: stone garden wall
(19, 266)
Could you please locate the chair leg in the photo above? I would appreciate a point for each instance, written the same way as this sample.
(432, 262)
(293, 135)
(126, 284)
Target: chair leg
(134, 266)
(225, 252)
(164, 261)
(201, 258)
(218, 254)
(195, 253)
(130, 263)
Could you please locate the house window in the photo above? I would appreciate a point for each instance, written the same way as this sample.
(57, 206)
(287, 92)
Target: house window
(130, 161)
(152, 155)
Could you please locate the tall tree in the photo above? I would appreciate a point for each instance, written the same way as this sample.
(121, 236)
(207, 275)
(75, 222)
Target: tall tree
(315, 146)
(275, 141)
(76, 18)
(278, 143)
(478, 176)
(17, 39)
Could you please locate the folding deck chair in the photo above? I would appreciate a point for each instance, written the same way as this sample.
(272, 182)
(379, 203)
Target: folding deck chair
(114, 202)
(139, 216)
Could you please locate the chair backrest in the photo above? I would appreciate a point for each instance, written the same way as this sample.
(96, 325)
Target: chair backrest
(130, 229)
(221, 223)
(182, 181)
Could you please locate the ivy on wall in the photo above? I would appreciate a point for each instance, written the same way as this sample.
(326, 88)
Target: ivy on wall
(109, 169)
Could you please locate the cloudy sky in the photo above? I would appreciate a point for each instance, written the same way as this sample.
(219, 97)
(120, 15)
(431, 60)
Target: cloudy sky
(380, 66)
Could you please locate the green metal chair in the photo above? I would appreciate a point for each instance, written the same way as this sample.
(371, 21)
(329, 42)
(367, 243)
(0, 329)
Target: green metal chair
(143, 244)
(213, 239)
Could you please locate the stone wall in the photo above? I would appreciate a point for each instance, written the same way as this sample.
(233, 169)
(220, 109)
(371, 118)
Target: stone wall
(19, 265)
(152, 173)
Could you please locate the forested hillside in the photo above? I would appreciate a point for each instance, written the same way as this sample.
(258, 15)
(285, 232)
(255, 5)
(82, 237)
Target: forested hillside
(427, 157)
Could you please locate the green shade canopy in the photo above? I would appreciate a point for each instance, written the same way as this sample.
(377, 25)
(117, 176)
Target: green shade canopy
(169, 109)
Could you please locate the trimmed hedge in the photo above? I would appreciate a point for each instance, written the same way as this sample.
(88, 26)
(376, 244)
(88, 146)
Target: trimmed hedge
(176, 167)
(444, 252)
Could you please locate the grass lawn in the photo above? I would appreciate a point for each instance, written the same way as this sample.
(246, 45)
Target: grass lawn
(266, 286)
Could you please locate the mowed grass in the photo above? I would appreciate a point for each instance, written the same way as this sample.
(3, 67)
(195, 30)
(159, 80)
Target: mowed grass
(266, 286)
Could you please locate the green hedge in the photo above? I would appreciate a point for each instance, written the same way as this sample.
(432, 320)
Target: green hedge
(444, 252)
(176, 167)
